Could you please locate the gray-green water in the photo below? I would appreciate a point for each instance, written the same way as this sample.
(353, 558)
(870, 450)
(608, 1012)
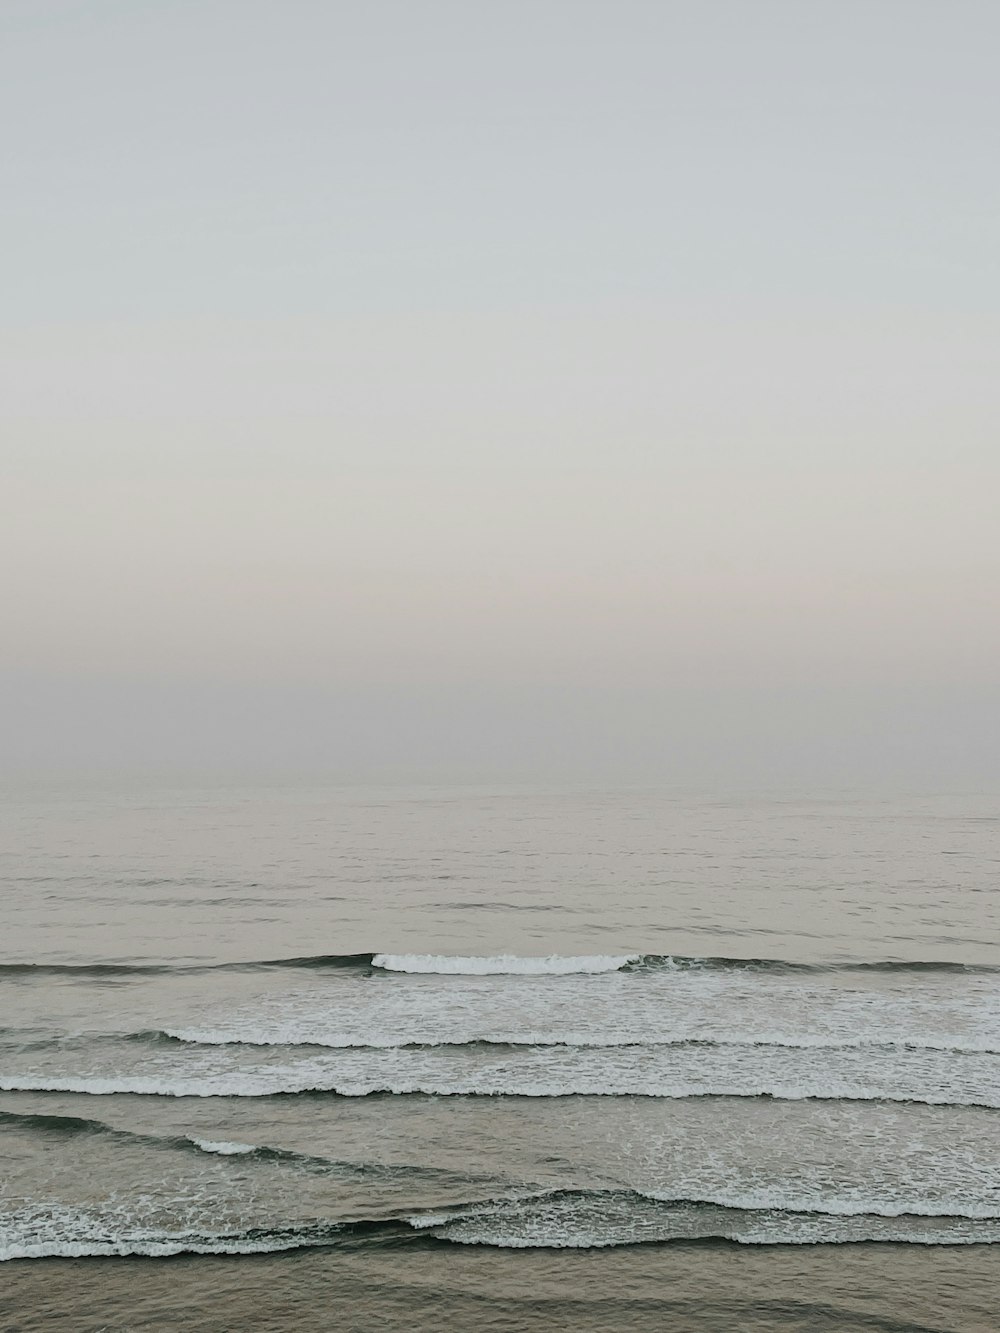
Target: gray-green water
(502, 1057)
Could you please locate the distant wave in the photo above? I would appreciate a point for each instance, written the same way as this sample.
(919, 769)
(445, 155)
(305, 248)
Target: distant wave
(441, 964)
(84, 970)
(490, 965)
(502, 964)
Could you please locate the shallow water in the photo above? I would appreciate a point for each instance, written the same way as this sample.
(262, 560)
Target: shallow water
(524, 1040)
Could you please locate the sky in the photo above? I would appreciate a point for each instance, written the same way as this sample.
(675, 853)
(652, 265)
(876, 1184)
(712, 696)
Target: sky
(530, 390)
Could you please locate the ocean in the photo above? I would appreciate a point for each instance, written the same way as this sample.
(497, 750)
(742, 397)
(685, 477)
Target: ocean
(314, 1057)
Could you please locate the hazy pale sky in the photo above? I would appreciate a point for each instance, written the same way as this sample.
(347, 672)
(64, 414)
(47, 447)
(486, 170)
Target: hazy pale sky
(466, 387)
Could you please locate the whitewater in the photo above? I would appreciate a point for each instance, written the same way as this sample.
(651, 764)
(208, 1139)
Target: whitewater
(508, 1024)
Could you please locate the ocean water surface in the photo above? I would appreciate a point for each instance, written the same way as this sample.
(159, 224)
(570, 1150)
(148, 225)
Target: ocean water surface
(499, 1057)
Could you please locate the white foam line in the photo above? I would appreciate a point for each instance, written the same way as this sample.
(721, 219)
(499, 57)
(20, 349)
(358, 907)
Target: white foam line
(277, 1084)
(307, 1034)
(797, 1208)
(594, 1241)
(223, 1148)
(767, 1201)
(154, 1248)
(502, 964)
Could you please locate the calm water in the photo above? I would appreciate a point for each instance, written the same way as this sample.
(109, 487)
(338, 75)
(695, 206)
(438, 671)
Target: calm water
(501, 1058)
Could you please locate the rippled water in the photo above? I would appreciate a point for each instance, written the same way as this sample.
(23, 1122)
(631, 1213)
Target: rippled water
(262, 1021)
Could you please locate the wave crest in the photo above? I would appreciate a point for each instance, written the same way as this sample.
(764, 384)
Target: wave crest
(502, 964)
(485, 965)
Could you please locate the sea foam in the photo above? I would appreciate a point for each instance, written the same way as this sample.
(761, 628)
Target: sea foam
(502, 964)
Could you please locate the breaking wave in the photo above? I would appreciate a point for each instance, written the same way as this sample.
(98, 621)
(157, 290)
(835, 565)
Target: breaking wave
(591, 1219)
(580, 1040)
(487, 965)
(555, 1219)
(70, 1126)
(650, 1026)
(98, 1241)
(278, 1085)
(502, 964)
